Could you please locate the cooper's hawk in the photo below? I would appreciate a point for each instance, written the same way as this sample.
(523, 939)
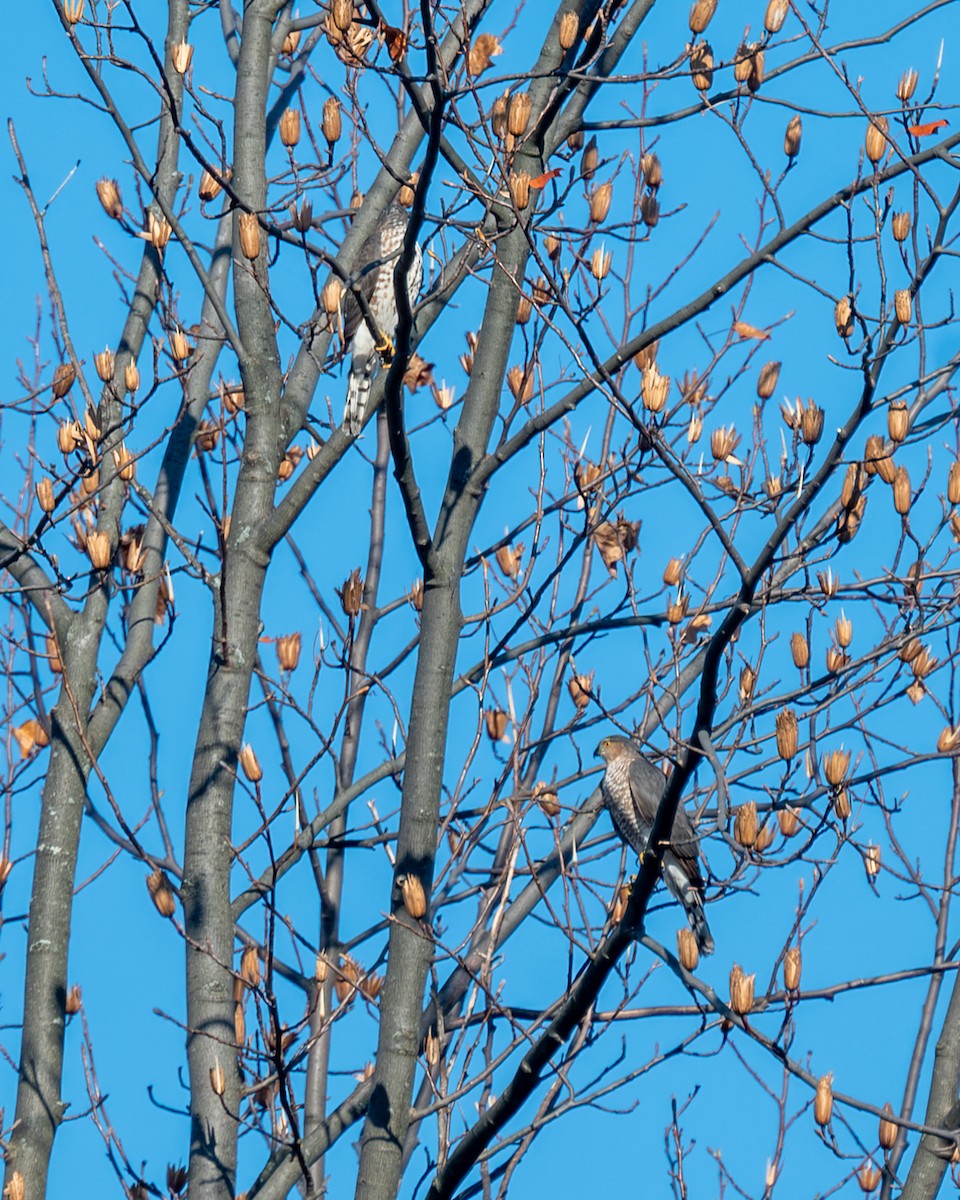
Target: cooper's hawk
(366, 347)
(631, 789)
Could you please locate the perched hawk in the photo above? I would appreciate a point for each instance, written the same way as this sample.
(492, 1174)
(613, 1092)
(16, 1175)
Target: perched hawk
(378, 260)
(631, 790)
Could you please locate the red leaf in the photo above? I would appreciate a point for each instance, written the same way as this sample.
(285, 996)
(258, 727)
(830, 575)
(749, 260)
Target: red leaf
(926, 130)
(541, 181)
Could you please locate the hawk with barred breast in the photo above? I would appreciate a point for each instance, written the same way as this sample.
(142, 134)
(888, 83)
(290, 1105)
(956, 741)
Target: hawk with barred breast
(369, 347)
(632, 789)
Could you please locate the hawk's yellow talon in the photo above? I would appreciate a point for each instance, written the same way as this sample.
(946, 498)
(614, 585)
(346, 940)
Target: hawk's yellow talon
(385, 349)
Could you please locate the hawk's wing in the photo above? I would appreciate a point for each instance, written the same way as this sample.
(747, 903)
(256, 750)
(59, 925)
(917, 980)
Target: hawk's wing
(367, 285)
(647, 785)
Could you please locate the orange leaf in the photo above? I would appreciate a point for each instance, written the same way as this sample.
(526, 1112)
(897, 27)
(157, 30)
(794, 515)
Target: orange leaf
(750, 331)
(541, 181)
(926, 130)
(396, 41)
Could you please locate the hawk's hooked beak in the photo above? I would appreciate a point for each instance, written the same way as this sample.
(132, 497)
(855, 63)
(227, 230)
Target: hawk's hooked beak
(596, 753)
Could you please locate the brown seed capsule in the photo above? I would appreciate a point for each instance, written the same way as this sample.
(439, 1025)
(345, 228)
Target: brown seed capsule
(701, 66)
(209, 187)
(843, 317)
(524, 309)
(569, 30)
(841, 804)
(600, 262)
(902, 495)
(351, 594)
(652, 172)
(74, 1000)
(788, 821)
(580, 688)
(903, 305)
(788, 733)
(869, 1177)
(654, 389)
(408, 192)
(900, 224)
(823, 1101)
(590, 159)
(793, 136)
(775, 15)
(701, 14)
(250, 966)
(108, 192)
(888, 1128)
(835, 767)
(745, 825)
(131, 377)
(765, 838)
(687, 950)
(181, 56)
(30, 736)
(69, 437)
(792, 966)
(898, 421)
(800, 650)
(649, 210)
(949, 740)
(518, 113)
(907, 84)
(575, 141)
(179, 345)
(290, 43)
(723, 443)
(105, 364)
(673, 572)
(98, 549)
(520, 382)
(677, 611)
(811, 424)
(249, 234)
(741, 990)
(519, 184)
(332, 123)
(843, 631)
(600, 199)
(496, 721)
(748, 680)
(741, 63)
(239, 1029)
(875, 142)
(218, 1079)
(547, 798)
(757, 63)
(773, 486)
(45, 497)
(249, 763)
(483, 50)
(871, 861)
(161, 893)
(288, 651)
(414, 897)
(124, 462)
(342, 13)
(767, 380)
(509, 558)
(290, 127)
(63, 378)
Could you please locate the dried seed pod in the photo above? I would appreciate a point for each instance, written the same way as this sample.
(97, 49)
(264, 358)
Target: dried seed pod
(239, 1028)
(520, 382)
(723, 443)
(158, 231)
(69, 437)
(600, 199)
(903, 305)
(518, 113)
(209, 187)
(745, 825)
(524, 309)
(687, 950)
(249, 763)
(250, 966)
(788, 821)
(590, 159)
(131, 377)
(351, 594)
(871, 861)
(767, 380)
(949, 740)
(823, 1101)
(773, 487)
(161, 893)
(74, 1000)
(580, 688)
(900, 225)
(63, 378)
(741, 990)
(835, 767)
(249, 234)
(179, 344)
(853, 485)
(888, 1128)
(108, 193)
(600, 262)
(98, 549)
(519, 184)
(775, 15)
(652, 172)
(547, 799)
(408, 192)
(701, 66)
(792, 967)
(836, 660)
(569, 30)
(898, 421)
(181, 56)
(907, 84)
(788, 733)
(672, 572)
(552, 247)
(748, 680)
(765, 838)
(701, 14)
(414, 897)
(218, 1079)
(332, 122)
(811, 424)
(288, 651)
(869, 1177)
(757, 63)
(45, 497)
(793, 136)
(902, 495)
(843, 316)
(290, 127)
(106, 365)
(416, 595)
(654, 389)
(953, 482)
(800, 650)
(290, 43)
(841, 804)
(124, 462)
(496, 721)
(677, 611)
(30, 736)
(843, 631)
(875, 142)
(649, 210)
(509, 558)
